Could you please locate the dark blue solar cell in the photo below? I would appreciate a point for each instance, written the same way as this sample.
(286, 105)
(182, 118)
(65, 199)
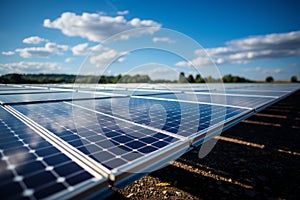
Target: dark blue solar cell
(47, 151)
(114, 163)
(78, 178)
(11, 190)
(56, 159)
(76, 143)
(135, 144)
(122, 139)
(147, 149)
(67, 168)
(39, 179)
(103, 155)
(148, 140)
(28, 163)
(132, 156)
(104, 133)
(159, 144)
(54, 188)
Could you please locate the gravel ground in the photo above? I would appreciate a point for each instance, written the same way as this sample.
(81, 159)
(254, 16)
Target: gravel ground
(258, 158)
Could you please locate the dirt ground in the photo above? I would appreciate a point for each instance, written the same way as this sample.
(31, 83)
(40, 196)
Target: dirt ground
(257, 159)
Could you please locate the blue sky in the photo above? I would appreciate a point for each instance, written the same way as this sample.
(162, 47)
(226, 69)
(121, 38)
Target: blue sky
(248, 38)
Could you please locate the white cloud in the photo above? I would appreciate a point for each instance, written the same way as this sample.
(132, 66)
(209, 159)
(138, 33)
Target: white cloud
(34, 40)
(69, 59)
(200, 60)
(256, 69)
(30, 67)
(125, 12)
(99, 55)
(42, 52)
(263, 70)
(163, 39)
(156, 72)
(275, 41)
(105, 56)
(244, 50)
(98, 26)
(270, 46)
(81, 49)
(272, 71)
(8, 53)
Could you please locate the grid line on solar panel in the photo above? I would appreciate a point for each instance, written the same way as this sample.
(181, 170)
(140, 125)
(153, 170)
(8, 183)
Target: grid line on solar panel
(30, 166)
(190, 101)
(28, 92)
(230, 101)
(130, 122)
(183, 119)
(49, 97)
(81, 159)
(110, 145)
(236, 94)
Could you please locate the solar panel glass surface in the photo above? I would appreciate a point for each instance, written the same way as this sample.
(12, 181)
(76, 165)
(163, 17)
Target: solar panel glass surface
(31, 167)
(110, 142)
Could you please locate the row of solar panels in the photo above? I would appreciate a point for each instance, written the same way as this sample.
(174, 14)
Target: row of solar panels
(64, 141)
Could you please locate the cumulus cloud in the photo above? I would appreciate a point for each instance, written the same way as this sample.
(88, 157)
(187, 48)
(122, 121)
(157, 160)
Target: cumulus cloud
(99, 55)
(8, 53)
(156, 72)
(256, 69)
(163, 39)
(69, 59)
(270, 46)
(272, 71)
(263, 70)
(105, 56)
(97, 27)
(34, 40)
(50, 48)
(30, 67)
(125, 12)
(244, 50)
(201, 59)
(80, 49)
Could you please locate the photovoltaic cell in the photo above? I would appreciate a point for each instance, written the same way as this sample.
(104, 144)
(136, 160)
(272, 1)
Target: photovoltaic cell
(58, 96)
(26, 91)
(131, 92)
(241, 101)
(109, 142)
(117, 133)
(256, 93)
(31, 167)
(184, 119)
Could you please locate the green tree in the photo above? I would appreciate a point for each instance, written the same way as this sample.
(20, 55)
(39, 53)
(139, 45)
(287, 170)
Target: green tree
(227, 78)
(199, 79)
(117, 78)
(294, 79)
(191, 79)
(269, 79)
(181, 78)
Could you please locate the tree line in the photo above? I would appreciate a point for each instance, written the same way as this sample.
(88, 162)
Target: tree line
(270, 79)
(69, 78)
(198, 79)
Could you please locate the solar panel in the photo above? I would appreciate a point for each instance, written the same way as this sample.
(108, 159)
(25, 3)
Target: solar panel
(113, 144)
(181, 118)
(246, 102)
(94, 135)
(26, 91)
(44, 97)
(33, 168)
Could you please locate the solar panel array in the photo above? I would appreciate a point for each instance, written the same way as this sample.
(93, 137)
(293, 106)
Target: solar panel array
(64, 141)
